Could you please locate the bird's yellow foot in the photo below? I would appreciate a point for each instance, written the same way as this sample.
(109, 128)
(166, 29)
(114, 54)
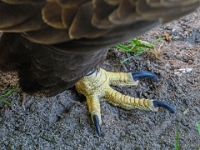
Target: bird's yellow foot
(97, 85)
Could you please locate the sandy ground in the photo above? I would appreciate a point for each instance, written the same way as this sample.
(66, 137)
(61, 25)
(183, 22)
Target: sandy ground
(65, 118)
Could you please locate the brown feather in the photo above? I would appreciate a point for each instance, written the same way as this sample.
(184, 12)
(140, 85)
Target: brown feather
(53, 19)
(31, 24)
(68, 15)
(24, 1)
(71, 3)
(112, 2)
(12, 15)
(100, 18)
(124, 14)
(48, 35)
(81, 25)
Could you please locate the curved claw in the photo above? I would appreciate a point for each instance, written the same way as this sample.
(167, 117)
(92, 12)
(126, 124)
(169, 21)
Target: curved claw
(164, 105)
(91, 72)
(96, 123)
(144, 74)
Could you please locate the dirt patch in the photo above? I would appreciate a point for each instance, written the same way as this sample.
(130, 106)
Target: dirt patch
(65, 118)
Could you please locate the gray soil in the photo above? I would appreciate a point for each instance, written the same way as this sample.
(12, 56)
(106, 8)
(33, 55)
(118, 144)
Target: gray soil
(65, 118)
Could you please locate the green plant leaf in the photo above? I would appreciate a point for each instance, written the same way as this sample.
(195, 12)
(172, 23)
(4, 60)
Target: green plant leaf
(137, 46)
(3, 100)
(46, 139)
(126, 59)
(177, 137)
(198, 126)
(11, 91)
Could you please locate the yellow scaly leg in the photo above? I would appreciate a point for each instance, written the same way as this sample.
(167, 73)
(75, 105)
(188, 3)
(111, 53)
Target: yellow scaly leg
(97, 85)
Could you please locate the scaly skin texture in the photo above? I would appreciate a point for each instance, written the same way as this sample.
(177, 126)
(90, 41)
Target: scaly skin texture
(97, 85)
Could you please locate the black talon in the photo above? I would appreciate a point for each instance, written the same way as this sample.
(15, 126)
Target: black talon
(164, 105)
(91, 72)
(144, 74)
(96, 123)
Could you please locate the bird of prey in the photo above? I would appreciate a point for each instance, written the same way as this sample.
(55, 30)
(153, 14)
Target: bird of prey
(55, 44)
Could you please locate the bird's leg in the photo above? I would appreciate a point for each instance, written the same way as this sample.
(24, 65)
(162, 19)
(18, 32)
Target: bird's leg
(97, 85)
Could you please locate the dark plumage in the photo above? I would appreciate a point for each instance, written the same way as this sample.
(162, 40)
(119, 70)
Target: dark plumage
(54, 44)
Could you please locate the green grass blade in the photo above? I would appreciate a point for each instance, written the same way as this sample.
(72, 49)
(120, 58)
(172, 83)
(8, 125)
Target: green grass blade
(11, 91)
(177, 137)
(126, 59)
(46, 139)
(157, 40)
(137, 46)
(3, 100)
(198, 126)
(139, 43)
